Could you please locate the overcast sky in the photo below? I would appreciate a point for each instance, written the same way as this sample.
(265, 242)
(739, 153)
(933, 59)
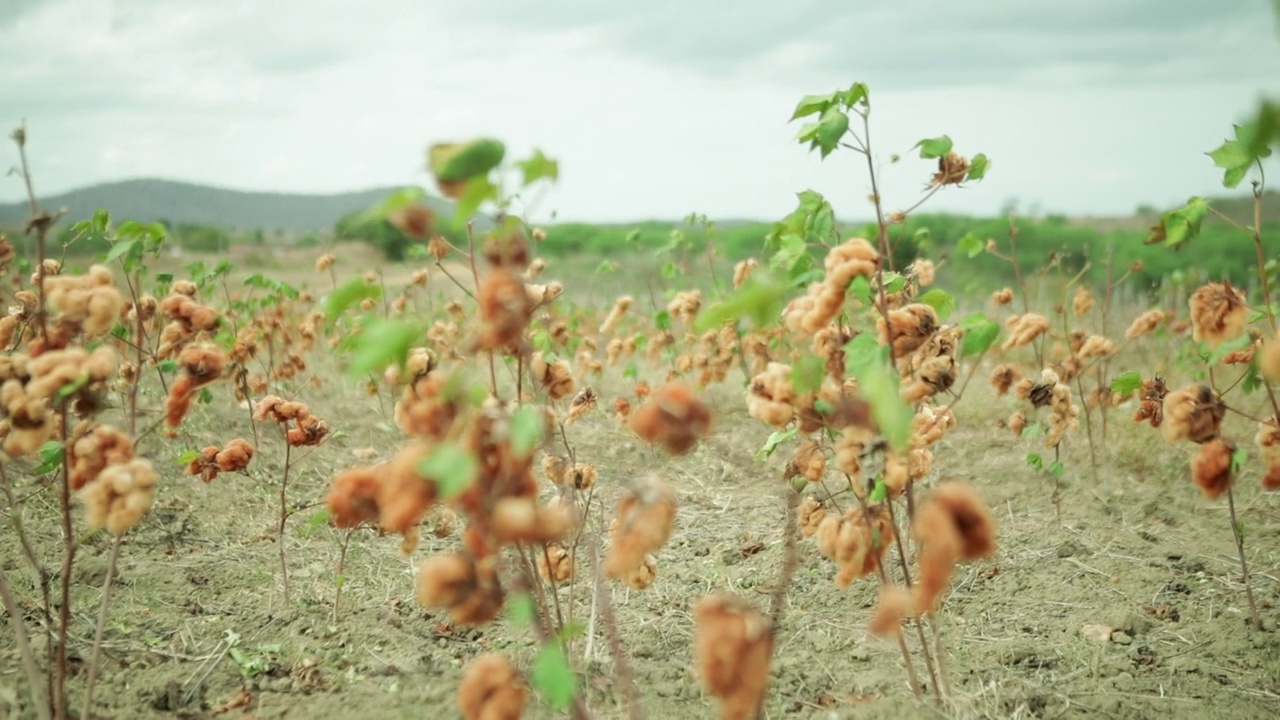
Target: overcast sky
(655, 108)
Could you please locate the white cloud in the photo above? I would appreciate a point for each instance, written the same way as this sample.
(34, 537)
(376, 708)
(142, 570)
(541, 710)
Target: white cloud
(325, 96)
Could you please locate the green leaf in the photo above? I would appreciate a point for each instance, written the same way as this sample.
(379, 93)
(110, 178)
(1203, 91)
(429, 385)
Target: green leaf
(129, 229)
(1177, 227)
(1056, 468)
(979, 333)
(121, 248)
(205, 397)
(880, 492)
(776, 438)
(1035, 461)
(941, 301)
(933, 147)
(452, 468)
(521, 609)
(526, 429)
(858, 92)
(831, 128)
(669, 270)
(860, 289)
(1252, 380)
(167, 366)
(382, 343)
(349, 293)
(1127, 383)
(188, 457)
(454, 162)
(970, 245)
(50, 454)
(477, 191)
(1226, 348)
(539, 167)
(1235, 157)
(813, 105)
(893, 282)
(806, 374)
(552, 678)
(1238, 459)
(978, 166)
(868, 361)
(71, 388)
(317, 520)
(662, 320)
(760, 298)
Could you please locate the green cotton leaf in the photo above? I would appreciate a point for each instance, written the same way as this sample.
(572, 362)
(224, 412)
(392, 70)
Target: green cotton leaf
(813, 105)
(1127, 383)
(452, 468)
(1035, 461)
(188, 457)
(1252, 380)
(475, 193)
(858, 92)
(831, 128)
(167, 366)
(454, 162)
(878, 385)
(130, 229)
(205, 397)
(862, 351)
(893, 282)
(351, 292)
(669, 270)
(760, 298)
(538, 167)
(1057, 469)
(1238, 459)
(552, 677)
(398, 200)
(1033, 430)
(662, 320)
(933, 147)
(979, 333)
(521, 610)
(380, 344)
(807, 373)
(941, 302)
(808, 132)
(776, 438)
(971, 246)
(71, 388)
(1235, 157)
(526, 429)
(978, 166)
(50, 454)
(880, 492)
(860, 290)
(121, 249)
(1177, 227)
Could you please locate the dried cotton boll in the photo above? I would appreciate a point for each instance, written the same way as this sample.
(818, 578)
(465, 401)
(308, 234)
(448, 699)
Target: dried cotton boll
(1002, 297)
(1023, 329)
(1269, 360)
(555, 566)
(519, 519)
(809, 515)
(645, 517)
(556, 377)
(120, 496)
(1083, 301)
(1146, 323)
(809, 461)
(1193, 413)
(893, 606)
(468, 588)
(952, 524)
(1211, 468)
(732, 646)
(742, 271)
(324, 262)
(643, 576)
(856, 542)
(771, 396)
(911, 326)
(491, 689)
(94, 451)
(620, 308)
(924, 272)
(930, 424)
(1017, 422)
(1094, 346)
(673, 417)
(1219, 313)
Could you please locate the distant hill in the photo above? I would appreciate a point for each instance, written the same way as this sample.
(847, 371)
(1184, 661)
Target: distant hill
(150, 200)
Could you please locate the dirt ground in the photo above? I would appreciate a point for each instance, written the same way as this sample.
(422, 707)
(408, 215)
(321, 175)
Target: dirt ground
(199, 628)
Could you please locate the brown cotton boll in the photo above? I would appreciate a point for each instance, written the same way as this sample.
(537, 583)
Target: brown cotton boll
(235, 456)
(1193, 413)
(184, 287)
(643, 576)
(924, 272)
(809, 515)
(446, 580)
(796, 310)
(519, 519)
(1271, 480)
(555, 468)
(1268, 440)
(1017, 422)
(856, 542)
(581, 404)
(645, 518)
(204, 364)
(893, 606)
(1269, 360)
(732, 646)
(404, 494)
(615, 316)
(505, 310)
(1146, 323)
(673, 416)
(492, 689)
(204, 465)
(771, 396)
(181, 394)
(1095, 346)
(930, 424)
(324, 262)
(1002, 297)
(96, 450)
(969, 514)
(353, 499)
(120, 496)
(854, 249)
(1083, 301)
(535, 269)
(953, 168)
(621, 410)
(1212, 469)
(742, 271)
(940, 545)
(911, 326)
(582, 477)
(310, 431)
(852, 443)
(438, 247)
(1219, 313)
(1024, 329)
(919, 464)
(808, 461)
(556, 378)
(556, 566)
